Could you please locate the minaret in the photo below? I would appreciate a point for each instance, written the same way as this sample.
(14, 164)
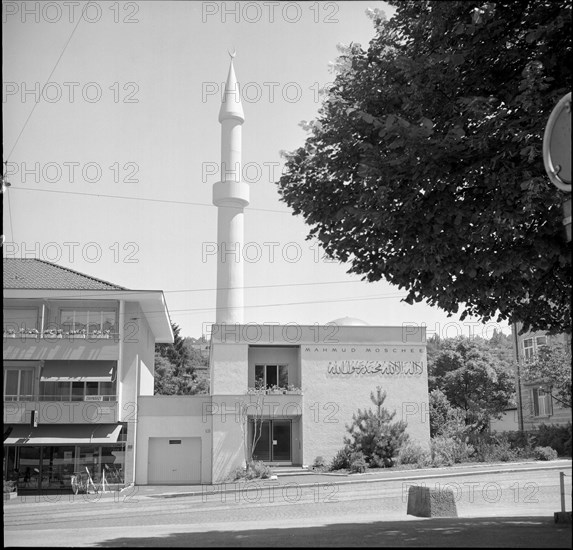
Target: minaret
(230, 195)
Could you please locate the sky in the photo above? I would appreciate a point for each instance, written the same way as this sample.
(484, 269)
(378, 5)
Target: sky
(112, 146)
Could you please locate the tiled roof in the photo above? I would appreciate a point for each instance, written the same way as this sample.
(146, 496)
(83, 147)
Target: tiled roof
(39, 274)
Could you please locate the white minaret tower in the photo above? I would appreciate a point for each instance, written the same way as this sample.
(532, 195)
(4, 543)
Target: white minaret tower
(230, 195)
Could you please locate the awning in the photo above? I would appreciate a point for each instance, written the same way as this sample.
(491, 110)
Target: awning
(63, 434)
(74, 371)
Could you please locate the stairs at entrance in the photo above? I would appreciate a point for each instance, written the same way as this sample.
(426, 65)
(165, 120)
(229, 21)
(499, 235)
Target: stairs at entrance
(282, 471)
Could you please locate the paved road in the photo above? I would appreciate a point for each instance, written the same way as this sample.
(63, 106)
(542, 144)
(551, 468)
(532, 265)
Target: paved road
(511, 509)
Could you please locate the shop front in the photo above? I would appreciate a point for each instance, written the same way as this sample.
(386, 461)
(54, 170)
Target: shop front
(46, 457)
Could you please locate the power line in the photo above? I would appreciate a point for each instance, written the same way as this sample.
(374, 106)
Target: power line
(262, 286)
(121, 291)
(349, 299)
(48, 80)
(190, 203)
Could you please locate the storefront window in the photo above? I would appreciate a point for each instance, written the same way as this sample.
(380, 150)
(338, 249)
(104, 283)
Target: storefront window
(51, 467)
(57, 467)
(112, 460)
(29, 464)
(10, 471)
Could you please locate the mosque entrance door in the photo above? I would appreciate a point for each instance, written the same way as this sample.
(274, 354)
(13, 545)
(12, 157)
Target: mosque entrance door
(274, 444)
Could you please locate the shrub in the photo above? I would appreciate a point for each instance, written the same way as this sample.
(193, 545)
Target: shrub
(319, 463)
(441, 450)
(544, 453)
(374, 434)
(237, 474)
(445, 419)
(413, 453)
(519, 440)
(557, 437)
(446, 451)
(497, 452)
(259, 470)
(9, 486)
(357, 463)
(255, 470)
(341, 459)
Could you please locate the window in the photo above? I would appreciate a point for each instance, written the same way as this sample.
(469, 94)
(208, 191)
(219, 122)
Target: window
(267, 376)
(19, 384)
(88, 321)
(540, 341)
(17, 320)
(528, 348)
(77, 391)
(541, 402)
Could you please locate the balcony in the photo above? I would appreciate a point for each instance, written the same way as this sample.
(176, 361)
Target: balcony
(267, 405)
(36, 347)
(61, 412)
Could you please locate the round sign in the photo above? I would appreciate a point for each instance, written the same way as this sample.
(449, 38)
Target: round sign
(557, 144)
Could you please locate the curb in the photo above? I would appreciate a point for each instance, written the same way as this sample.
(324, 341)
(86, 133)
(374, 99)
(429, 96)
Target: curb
(217, 490)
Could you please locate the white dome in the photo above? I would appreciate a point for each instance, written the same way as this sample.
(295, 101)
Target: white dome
(349, 322)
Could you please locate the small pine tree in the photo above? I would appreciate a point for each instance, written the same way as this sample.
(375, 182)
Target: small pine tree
(375, 435)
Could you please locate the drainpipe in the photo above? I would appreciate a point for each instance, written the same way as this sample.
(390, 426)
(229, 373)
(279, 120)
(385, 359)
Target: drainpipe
(135, 422)
(119, 370)
(43, 320)
(520, 403)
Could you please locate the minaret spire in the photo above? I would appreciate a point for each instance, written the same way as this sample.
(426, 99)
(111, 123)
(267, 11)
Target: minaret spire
(230, 195)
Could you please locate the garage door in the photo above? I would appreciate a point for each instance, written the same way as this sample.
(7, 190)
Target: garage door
(174, 460)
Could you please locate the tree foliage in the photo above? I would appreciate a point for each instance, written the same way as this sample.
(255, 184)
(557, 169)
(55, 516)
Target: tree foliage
(175, 366)
(373, 433)
(445, 420)
(552, 368)
(424, 166)
(473, 380)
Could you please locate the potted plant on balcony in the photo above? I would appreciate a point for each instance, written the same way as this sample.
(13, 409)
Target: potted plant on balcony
(78, 333)
(29, 332)
(100, 334)
(291, 388)
(53, 333)
(9, 333)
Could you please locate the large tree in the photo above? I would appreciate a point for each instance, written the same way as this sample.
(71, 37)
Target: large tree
(424, 165)
(473, 379)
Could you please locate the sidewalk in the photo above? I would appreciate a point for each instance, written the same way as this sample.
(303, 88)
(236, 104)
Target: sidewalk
(310, 478)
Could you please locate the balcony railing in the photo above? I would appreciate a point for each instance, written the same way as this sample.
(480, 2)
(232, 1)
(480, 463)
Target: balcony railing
(61, 398)
(61, 336)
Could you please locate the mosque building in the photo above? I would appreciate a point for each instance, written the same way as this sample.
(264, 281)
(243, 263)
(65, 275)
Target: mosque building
(283, 394)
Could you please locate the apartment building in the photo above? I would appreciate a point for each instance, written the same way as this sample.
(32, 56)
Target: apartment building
(78, 353)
